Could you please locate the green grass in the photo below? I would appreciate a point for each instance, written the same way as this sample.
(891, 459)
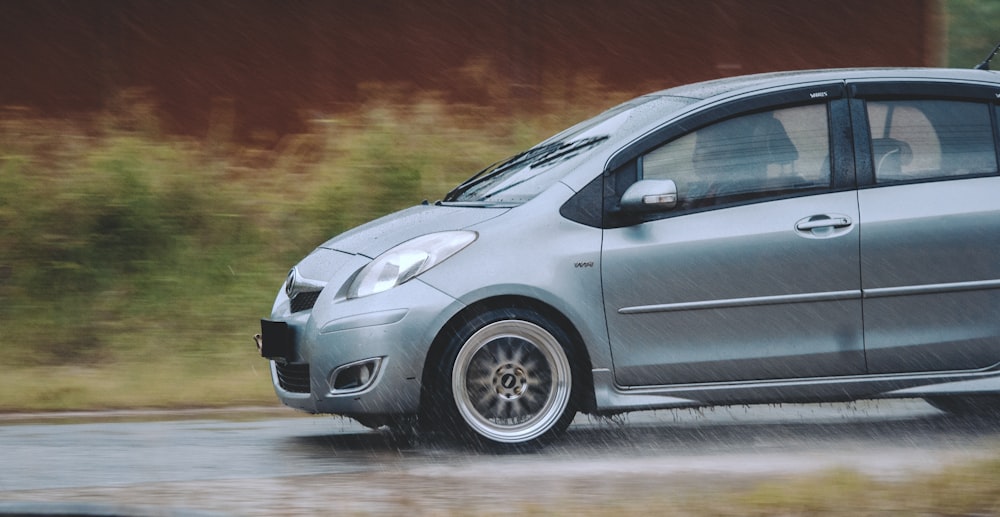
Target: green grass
(238, 379)
(961, 490)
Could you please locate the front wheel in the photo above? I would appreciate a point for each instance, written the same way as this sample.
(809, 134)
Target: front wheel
(508, 377)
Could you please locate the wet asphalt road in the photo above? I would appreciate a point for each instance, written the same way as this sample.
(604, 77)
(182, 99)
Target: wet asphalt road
(243, 462)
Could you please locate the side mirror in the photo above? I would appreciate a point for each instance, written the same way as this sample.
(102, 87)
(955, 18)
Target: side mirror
(650, 196)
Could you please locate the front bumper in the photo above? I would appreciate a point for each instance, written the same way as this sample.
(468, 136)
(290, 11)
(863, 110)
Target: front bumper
(358, 357)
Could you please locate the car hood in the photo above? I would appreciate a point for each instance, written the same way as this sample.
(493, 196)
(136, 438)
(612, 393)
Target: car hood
(374, 238)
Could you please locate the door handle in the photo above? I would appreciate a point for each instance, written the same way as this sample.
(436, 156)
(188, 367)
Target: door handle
(823, 221)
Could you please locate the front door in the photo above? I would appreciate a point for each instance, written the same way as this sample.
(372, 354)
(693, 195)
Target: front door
(755, 275)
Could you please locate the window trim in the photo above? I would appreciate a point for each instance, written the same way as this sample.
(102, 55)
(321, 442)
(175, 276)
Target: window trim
(911, 90)
(862, 92)
(995, 119)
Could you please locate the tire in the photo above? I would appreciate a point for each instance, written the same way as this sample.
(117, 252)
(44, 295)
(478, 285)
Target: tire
(507, 379)
(968, 405)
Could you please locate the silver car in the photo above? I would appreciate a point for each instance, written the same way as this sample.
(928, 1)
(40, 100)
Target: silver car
(806, 236)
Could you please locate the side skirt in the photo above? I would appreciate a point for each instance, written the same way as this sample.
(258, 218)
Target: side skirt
(612, 398)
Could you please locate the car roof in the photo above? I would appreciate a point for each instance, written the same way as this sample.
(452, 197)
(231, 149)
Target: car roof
(732, 85)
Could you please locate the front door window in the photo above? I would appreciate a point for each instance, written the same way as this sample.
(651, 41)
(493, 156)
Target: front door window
(750, 157)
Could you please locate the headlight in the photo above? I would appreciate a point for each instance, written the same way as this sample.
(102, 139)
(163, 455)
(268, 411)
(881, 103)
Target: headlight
(408, 260)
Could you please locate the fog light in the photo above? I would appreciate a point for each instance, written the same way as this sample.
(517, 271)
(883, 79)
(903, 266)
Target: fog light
(354, 377)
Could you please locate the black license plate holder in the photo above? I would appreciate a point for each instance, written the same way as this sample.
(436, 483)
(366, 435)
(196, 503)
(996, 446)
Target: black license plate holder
(277, 339)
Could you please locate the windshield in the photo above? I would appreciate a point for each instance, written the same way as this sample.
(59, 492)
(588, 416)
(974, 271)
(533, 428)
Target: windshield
(522, 176)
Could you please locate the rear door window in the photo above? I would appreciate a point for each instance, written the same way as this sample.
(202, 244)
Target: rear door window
(915, 140)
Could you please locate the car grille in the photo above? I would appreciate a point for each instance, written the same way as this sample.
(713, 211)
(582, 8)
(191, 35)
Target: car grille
(304, 301)
(293, 377)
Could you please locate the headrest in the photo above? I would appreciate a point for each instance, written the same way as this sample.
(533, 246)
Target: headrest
(770, 134)
(882, 147)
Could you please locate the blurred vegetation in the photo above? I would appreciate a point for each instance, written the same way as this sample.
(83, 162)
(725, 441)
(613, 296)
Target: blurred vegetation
(972, 31)
(134, 264)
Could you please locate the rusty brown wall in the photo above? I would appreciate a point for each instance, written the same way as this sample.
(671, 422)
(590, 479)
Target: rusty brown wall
(273, 62)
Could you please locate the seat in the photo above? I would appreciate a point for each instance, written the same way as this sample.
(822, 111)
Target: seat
(733, 157)
(772, 142)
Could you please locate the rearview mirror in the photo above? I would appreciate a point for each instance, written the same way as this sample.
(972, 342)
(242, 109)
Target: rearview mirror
(650, 196)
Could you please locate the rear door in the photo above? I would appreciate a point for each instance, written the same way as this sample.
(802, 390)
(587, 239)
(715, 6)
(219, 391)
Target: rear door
(930, 225)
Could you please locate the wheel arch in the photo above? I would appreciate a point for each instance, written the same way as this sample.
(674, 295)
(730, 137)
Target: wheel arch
(583, 386)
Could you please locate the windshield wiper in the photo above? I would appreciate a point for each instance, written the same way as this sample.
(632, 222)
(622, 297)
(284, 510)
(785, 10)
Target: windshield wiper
(501, 166)
(534, 157)
(568, 150)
